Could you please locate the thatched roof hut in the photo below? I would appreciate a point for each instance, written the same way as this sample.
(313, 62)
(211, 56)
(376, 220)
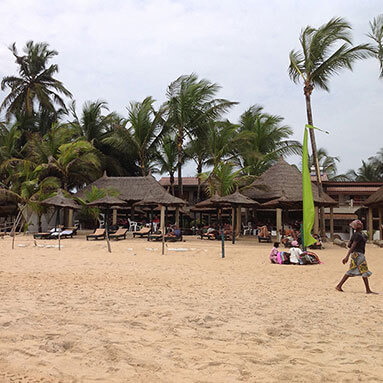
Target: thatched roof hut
(134, 189)
(107, 202)
(236, 199)
(59, 200)
(283, 182)
(376, 199)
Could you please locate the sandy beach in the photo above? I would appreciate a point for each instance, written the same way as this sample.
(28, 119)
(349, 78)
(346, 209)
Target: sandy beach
(83, 315)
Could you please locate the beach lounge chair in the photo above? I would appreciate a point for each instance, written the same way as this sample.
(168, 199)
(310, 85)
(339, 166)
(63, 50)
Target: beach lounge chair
(143, 232)
(119, 234)
(98, 234)
(67, 233)
(47, 234)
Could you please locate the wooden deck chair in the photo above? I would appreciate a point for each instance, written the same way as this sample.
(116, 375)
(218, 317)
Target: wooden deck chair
(144, 232)
(119, 234)
(98, 234)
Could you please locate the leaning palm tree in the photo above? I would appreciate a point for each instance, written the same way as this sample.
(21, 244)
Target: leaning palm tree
(326, 51)
(35, 84)
(376, 34)
(191, 104)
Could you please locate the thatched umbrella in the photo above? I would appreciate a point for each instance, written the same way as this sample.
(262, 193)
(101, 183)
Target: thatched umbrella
(236, 200)
(60, 201)
(163, 199)
(106, 203)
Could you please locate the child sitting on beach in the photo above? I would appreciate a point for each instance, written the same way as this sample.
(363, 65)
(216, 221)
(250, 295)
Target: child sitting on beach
(274, 253)
(295, 253)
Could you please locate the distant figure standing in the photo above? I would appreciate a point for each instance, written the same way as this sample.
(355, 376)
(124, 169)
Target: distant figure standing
(358, 264)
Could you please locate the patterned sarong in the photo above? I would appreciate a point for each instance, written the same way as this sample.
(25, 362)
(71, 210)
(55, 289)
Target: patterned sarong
(358, 266)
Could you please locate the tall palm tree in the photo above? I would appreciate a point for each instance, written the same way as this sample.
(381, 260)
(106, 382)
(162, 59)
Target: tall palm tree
(35, 85)
(145, 129)
(261, 140)
(326, 51)
(191, 104)
(166, 158)
(376, 34)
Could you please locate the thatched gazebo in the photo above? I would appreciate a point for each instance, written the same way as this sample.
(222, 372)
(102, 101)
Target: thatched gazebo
(236, 200)
(133, 190)
(59, 201)
(375, 201)
(280, 187)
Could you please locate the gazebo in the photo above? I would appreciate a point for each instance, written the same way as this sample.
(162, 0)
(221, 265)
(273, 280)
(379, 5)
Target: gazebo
(133, 190)
(375, 201)
(280, 188)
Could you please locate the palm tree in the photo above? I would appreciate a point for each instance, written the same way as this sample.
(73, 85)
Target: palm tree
(146, 127)
(35, 84)
(191, 105)
(222, 180)
(75, 164)
(166, 158)
(9, 142)
(366, 173)
(326, 51)
(376, 34)
(95, 125)
(26, 188)
(261, 140)
(197, 151)
(377, 161)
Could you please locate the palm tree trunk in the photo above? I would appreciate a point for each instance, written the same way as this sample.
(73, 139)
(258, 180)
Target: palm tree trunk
(179, 165)
(172, 182)
(199, 171)
(307, 92)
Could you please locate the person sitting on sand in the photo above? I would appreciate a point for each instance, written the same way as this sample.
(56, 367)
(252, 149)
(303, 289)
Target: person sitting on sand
(358, 264)
(295, 253)
(274, 253)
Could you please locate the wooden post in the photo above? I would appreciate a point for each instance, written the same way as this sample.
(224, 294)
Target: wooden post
(239, 221)
(370, 227)
(316, 220)
(279, 223)
(331, 223)
(380, 209)
(70, 217)
(162, 220)
(177, 220)
(233, 223)
(114, 217)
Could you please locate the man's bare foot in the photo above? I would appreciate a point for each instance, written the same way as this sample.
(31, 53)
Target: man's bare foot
(372, 292)
(339, 289)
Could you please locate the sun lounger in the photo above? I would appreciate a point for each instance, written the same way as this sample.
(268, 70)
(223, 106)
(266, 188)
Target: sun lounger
(63, 234)
(98, 234)
(211, 235)
(119, 234)
(264, 239)
(145, 231)
(47, 234)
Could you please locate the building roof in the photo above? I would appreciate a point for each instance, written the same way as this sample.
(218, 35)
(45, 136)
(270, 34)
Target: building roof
(186, 181)
(283, 180)
(133, 189)
(59, 200)
(351, 189)
(375, 199)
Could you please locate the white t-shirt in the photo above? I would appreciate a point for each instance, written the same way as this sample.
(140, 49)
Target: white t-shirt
(295, 252)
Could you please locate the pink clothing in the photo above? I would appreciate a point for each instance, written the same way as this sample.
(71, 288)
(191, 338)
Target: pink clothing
(274, 255)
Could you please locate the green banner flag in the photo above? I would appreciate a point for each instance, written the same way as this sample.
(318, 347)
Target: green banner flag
(308, 200)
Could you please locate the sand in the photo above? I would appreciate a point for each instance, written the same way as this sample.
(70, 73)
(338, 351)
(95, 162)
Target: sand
(83, 315)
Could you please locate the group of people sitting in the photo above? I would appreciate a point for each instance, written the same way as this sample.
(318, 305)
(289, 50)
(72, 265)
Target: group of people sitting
(294, 256)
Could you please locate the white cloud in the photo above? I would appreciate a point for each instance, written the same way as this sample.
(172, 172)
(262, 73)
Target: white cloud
(125, 50)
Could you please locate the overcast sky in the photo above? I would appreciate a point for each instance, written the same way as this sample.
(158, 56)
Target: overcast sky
(125, 50)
